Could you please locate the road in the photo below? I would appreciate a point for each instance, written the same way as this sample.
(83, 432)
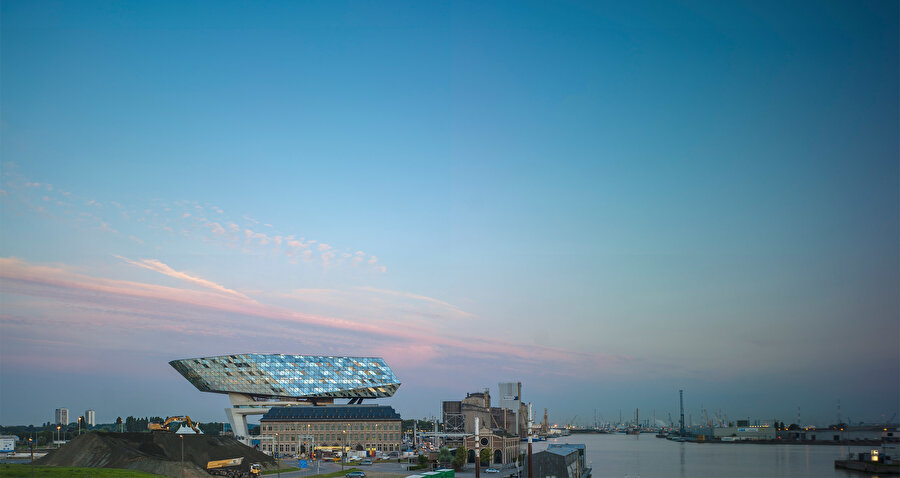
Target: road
(384, 470)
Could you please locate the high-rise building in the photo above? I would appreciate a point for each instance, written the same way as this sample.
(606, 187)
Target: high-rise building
(511, 399)
(62, 416)
(89, 418)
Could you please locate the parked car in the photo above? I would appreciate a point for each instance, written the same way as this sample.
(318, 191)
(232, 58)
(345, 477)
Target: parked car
(366, 462)
(492, 470)
(356, 474)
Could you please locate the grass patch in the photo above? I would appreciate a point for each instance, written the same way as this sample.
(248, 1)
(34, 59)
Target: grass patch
(283, 470)
(24, 471)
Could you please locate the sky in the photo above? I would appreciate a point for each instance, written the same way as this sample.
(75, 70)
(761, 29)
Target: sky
(607, 201)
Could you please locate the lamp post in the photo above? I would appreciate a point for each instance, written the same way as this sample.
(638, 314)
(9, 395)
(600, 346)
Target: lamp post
(344, 454)
(181, 439)
(31, 445)
(275, 453)
(57, 436)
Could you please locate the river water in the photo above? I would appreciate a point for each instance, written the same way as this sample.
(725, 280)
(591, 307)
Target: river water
(645, 456)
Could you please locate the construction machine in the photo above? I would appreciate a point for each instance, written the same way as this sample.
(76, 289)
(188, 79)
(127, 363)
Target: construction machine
(164, 426)
(255, 469)
(224, 467)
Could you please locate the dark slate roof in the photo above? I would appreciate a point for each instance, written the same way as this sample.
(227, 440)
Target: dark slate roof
(564, 449)
(579, 446)
(561, 451)
(337, 413)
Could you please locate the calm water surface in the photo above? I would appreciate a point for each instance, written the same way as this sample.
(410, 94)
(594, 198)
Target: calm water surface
(645, 456)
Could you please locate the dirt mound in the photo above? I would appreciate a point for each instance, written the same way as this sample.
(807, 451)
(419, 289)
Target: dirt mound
(158, 453)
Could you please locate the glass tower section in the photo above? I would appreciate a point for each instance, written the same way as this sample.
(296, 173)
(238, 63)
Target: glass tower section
(290, 376)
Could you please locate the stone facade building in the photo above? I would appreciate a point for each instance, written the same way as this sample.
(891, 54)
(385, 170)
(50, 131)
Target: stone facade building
(504, 449)
(372, 428)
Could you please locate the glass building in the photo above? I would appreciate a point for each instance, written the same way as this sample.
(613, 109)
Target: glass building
(281, 376)
(256, 383)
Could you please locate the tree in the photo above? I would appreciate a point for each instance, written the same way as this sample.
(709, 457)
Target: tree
(485, 456)
(459, 461)
(444, 455)
(422, 460)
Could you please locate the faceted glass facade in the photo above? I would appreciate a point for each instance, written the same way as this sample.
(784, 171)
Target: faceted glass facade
(294, 376)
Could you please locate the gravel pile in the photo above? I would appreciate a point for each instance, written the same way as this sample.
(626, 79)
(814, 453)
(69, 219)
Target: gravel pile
(158, 453)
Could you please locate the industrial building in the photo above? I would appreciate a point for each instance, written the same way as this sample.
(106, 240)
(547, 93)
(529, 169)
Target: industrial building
(744, 432)
(90, 418)
(256, 383)
(354, 427)
(511, 399)
(560, 461)
(459, 416)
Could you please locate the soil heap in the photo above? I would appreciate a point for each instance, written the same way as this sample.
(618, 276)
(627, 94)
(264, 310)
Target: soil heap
(158, 453)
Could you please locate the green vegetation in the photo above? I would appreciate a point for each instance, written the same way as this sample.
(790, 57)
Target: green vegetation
(459, 461)
(444, 455)
(485, 456)
(283, 470)
(24, 471)
(420, 425)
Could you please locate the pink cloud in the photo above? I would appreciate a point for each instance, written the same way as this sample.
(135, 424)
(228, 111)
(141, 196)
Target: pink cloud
(216, 228)
(423, 298)
(157, 266)
(219, 309)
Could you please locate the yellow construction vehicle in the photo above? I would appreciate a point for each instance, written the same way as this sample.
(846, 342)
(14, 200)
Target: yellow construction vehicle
(255, 469)
(224, 467)
(164, 426)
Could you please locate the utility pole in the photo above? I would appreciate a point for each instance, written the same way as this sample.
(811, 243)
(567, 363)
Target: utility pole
(530, 425)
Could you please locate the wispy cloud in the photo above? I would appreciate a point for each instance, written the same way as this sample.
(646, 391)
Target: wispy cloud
(157, 266)
(423, 298)
(200, 312)
(183, 219)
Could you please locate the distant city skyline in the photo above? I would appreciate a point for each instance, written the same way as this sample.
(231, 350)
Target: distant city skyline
(606, 202)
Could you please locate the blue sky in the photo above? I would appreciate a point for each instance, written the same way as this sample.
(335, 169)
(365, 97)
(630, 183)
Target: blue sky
(617, 198)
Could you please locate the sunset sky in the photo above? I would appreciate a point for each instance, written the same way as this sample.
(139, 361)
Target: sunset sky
(608, 201)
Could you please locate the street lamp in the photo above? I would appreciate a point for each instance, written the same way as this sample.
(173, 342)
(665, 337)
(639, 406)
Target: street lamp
(181, 439)
(275, 453)
(31, 445)
(344, 454)
(57, 436)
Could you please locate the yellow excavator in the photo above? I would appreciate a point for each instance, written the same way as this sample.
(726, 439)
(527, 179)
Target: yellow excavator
(164, 426)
